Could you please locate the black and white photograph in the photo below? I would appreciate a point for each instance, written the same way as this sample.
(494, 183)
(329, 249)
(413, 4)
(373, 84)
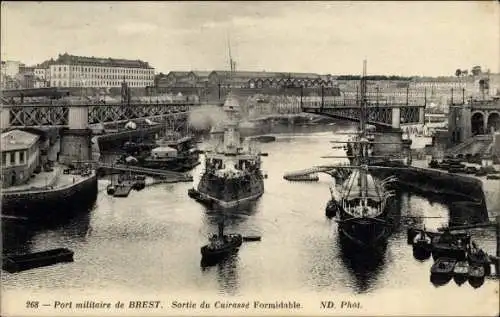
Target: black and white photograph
(250, 158)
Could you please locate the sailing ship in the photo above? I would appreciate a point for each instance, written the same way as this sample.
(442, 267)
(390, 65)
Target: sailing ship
(360, 201)
(232, 173)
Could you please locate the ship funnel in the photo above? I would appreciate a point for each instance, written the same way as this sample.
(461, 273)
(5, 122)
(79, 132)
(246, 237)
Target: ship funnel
(231, 104)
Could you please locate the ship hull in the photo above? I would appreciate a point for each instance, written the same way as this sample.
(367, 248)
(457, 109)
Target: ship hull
(224, 193)
(364, 231)
(46, 204)
(229, 204)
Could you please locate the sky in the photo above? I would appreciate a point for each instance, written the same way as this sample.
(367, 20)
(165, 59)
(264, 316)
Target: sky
(396, 38)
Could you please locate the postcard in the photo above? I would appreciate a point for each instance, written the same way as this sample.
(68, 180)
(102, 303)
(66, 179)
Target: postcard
(207, 158)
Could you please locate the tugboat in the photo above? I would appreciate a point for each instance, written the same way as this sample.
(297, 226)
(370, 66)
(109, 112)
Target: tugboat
(232, 174)
(220, 246)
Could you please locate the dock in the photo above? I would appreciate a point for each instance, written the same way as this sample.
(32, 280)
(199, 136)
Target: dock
(165, 175)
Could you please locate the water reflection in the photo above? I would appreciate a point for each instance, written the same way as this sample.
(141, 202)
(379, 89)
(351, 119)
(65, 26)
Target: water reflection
(78, 228)
(233, 218)
(364, 264)
(226, 273)
(18, 235)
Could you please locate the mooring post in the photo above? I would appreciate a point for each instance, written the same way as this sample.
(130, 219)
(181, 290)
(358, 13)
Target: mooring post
(498, 236)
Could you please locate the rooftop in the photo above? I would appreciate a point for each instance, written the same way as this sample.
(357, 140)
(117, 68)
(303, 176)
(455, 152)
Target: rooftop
(95, 61)
(17, 140)
(263, 74)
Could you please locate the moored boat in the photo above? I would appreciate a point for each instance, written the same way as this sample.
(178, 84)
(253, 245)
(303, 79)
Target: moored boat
(443, 266)
(140, 182)
(302, 178)
(450, 245)
(265, 138)
(478, 257)
(110, 189)
(442, 271)
(422, 246)
(18, 263)
(363, 200)
(461, 272)
(461, 268)
(492, 176)
(476, 275)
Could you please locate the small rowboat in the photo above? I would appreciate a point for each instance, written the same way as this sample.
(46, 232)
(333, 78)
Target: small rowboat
(476, 275)
(443, 266)
(476, 271)
(422, 241)
(461, 268)
(422, 246)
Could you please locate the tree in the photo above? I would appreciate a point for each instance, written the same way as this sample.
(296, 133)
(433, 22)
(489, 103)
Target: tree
(476, 70)
(458, 72)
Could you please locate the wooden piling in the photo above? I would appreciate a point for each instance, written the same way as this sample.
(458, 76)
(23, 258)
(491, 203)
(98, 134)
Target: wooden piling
(497, 226)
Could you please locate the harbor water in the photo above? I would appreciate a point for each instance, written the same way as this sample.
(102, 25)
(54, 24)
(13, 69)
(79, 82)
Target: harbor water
(150, 242)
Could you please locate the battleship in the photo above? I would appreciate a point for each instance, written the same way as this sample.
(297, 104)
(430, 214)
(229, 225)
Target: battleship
(232, 173)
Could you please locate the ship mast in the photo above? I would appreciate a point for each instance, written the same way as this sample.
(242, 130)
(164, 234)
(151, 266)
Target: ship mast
(231, 134)
(363, 148)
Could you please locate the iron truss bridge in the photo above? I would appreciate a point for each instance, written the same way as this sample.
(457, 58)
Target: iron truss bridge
(378, 114)
(55, 115)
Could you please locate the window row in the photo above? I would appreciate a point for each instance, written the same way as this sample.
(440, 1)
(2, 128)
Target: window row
(137, 77)
(104, 70)
(13, 158)
(64, 83)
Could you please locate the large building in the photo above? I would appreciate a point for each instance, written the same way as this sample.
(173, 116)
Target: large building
(20, 157)
(10, 68)
(79, 71)
(8, 72)
(242, 79)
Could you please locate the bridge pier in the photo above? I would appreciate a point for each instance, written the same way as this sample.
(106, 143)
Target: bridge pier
(5, 118)
(421, 115)
(396, 118)
(75, 141)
